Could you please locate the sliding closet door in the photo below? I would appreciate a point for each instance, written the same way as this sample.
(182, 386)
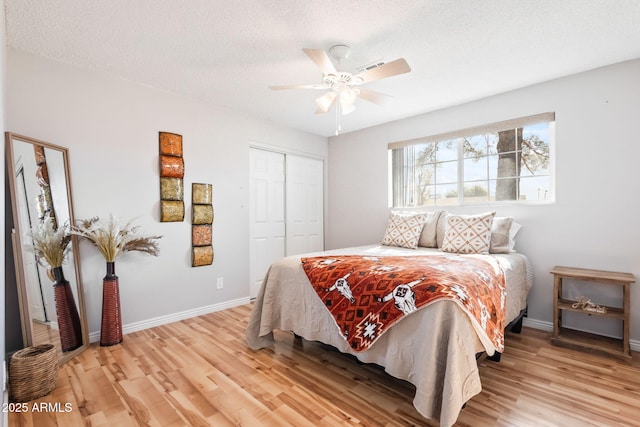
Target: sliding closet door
(305, 229)
(286, 210)
(267, 213)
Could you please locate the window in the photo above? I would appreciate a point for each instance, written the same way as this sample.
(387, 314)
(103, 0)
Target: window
(502, 162)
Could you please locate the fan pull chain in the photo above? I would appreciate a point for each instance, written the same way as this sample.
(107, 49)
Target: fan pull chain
(338, 127)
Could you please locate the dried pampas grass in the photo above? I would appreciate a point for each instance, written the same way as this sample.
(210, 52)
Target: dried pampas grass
(48, 243)
(113, 239)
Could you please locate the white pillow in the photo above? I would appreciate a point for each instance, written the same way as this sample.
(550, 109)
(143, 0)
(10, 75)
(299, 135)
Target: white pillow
(428, 237)
(500, 238)
(404, 230)
(468, 234)
(441, 228)
(515, 227)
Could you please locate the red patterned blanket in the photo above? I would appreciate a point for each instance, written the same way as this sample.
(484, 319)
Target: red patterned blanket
(367, 295)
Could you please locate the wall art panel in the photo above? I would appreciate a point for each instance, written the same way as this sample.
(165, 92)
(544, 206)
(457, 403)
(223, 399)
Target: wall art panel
(171, 210)
(202, 255)
(172, 167)
(202, 214)
(170, 144)
(201, 235)
(201, 224)
(171, 177)
(171, 189)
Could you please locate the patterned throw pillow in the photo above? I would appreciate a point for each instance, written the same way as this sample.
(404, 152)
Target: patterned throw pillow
(468, 234)
(404, 230)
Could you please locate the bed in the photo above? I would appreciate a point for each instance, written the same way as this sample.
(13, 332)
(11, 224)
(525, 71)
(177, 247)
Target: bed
(434, 348)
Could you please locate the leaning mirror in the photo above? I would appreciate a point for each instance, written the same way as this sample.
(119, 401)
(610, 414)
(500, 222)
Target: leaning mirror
(49, 285)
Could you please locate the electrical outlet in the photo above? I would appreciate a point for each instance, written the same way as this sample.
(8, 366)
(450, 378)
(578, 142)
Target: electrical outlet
(220, 283)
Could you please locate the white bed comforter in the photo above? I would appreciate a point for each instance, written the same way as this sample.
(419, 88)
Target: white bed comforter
(434, 348)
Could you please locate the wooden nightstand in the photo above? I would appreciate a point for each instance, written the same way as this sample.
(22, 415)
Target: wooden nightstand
(562, 335)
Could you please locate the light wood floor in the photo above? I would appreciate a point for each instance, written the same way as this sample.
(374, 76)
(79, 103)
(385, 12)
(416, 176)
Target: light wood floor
(200, 372)
(45, 334)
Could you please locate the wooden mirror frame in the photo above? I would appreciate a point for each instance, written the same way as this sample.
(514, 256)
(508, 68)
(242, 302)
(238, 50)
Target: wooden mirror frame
(20, 251)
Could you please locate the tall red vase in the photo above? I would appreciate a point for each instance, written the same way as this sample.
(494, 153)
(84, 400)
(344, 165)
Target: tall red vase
(67, 312)
(111, 327)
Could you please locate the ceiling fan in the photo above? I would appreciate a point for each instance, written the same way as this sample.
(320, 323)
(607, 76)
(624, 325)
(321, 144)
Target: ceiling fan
(343, 86)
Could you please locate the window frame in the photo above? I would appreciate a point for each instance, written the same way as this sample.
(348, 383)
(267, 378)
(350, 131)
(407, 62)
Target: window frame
(521, 122)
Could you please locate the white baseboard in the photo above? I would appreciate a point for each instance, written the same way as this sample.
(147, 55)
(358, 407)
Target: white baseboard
(548, 326)
(537, 324)
(174, 317)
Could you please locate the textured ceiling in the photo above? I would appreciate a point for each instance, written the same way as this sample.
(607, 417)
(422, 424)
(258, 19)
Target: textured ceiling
(226, 52)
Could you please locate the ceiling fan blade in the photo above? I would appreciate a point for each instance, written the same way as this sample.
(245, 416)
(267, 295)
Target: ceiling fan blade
(325, 102)
(393, 68)
(310, 86)
(321, 59)
(375, 97)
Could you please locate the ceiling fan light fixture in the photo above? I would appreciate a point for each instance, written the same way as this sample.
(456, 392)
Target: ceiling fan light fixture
(349, 95)
(325, 101)
(347, 99)
(346, 108)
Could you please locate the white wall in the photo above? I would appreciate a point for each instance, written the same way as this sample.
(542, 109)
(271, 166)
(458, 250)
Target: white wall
(111, 129)
(593, 223)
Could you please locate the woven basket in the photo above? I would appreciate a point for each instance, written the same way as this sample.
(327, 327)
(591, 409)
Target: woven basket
(33, 372)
